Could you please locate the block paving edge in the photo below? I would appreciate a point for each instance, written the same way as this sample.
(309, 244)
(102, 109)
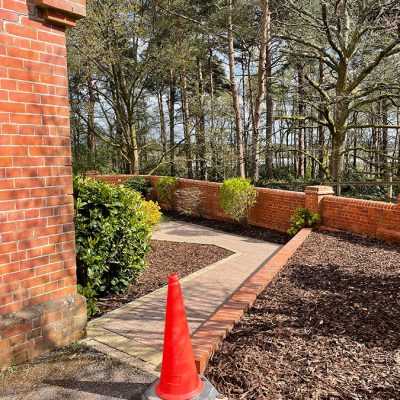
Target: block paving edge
(209, 336)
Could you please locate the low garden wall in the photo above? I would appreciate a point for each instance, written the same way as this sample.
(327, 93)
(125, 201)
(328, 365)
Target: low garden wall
(364, 217)
(275, 207)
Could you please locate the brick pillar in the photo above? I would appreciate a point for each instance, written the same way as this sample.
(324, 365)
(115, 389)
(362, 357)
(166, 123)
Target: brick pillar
(314, 196)
(39, 305)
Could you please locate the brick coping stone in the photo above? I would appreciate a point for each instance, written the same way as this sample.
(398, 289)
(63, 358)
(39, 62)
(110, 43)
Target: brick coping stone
(208, 337)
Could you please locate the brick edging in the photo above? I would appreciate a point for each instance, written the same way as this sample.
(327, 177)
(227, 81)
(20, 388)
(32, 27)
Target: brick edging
(212, 332)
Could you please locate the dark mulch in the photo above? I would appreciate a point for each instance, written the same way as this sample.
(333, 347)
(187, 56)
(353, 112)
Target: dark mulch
(255, 232)
(328, 327)
(165, 258)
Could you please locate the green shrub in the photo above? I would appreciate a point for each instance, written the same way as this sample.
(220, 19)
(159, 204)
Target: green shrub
(165, 187)
(238, 195)
(112, 236)
(91, 299)
(140, 185)
(152, 211)
(303, 218)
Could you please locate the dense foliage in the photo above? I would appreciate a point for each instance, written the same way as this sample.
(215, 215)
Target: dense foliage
(112, 237)
(152, 211)
(237, 196)
(165, 188)
(303, 218)
(140, 185)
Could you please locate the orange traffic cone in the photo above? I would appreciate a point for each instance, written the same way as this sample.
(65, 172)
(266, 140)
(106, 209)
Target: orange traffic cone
(179, 379)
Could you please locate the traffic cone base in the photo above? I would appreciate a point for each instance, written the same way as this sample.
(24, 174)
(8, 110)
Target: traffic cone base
(186, 396)
(208, 392)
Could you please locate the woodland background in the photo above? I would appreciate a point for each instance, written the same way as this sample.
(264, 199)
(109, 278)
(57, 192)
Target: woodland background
(285, 92)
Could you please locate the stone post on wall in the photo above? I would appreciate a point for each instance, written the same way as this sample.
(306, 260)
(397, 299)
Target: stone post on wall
(314, 196)
(39, 306)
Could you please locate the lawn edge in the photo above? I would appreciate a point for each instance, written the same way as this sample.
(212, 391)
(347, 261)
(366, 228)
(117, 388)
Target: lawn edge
(208, 337)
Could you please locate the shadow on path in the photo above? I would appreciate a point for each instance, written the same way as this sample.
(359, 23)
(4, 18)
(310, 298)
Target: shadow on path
(119, 390)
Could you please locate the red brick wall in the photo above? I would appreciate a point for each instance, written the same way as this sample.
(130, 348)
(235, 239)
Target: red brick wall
(37, 256)
(364, 217)
(275, 207)
(272, 210)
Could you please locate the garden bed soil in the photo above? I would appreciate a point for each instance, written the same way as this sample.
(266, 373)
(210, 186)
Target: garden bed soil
(165, 258)
(255, 232)
(326, 328)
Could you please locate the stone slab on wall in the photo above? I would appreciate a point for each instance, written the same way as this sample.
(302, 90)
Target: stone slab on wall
(37, 242)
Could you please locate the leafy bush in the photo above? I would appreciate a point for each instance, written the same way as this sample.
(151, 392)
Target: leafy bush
(140, 185)
(238, 195)
(189, 201)
(165, 187)
(112, 237)
(303, 218)
(152, 211)
(91, 299)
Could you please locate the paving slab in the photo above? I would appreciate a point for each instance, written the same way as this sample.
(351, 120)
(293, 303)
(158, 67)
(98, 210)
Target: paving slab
(136, 329)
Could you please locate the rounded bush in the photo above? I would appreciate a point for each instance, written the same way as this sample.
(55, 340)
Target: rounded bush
(112, 236)
(238, 195)
(152, 211)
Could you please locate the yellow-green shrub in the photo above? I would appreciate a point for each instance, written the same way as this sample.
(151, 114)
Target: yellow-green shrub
(152, 211)
(238, 195)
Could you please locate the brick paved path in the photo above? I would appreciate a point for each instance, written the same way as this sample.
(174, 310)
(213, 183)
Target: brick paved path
(136, 329)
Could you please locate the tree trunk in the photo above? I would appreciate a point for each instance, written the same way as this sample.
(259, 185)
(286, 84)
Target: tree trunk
(201, 139)
(134, 151)
(248, 150)
(186, 127)
(336, 162)
(321, 129)
(398, 135)
(301, 134)
(213, 144)
(90, 127)
(384, 144)
(171, 105)
(235, 94)
(269, 171)
(163, 126)
(264, 39)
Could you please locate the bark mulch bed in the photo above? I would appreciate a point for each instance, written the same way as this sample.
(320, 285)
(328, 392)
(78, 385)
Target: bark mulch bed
(328, 327)
(165, 258)
(255, 232)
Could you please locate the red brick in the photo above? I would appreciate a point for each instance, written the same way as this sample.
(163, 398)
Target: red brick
(17, 330)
